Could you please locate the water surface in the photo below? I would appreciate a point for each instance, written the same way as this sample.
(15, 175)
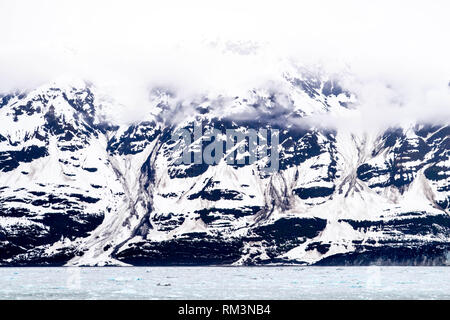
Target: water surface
(226, 283)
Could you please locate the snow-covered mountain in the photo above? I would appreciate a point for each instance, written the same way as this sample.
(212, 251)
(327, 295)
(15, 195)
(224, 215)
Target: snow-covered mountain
(77, 188)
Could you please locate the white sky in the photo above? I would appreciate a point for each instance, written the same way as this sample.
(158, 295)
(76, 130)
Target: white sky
(129, 46)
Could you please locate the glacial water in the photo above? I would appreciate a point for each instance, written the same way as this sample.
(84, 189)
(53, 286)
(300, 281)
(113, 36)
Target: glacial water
(226, 283)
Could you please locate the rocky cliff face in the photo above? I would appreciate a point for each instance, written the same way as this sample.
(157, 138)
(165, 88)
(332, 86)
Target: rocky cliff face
(77, 188)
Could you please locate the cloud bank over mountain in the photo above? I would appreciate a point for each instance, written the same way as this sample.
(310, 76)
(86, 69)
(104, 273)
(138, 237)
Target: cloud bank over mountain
(392, 56)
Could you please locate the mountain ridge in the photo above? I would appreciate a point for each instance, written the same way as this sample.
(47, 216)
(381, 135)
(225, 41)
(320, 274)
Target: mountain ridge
(78, 189)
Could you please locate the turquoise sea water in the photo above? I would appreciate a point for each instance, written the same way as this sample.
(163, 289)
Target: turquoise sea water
(226, 283)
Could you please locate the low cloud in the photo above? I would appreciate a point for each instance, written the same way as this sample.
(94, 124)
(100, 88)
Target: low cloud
(393, 56)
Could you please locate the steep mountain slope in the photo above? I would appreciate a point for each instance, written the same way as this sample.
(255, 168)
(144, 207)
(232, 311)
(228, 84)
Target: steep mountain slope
(54, 173)
(78, 189)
